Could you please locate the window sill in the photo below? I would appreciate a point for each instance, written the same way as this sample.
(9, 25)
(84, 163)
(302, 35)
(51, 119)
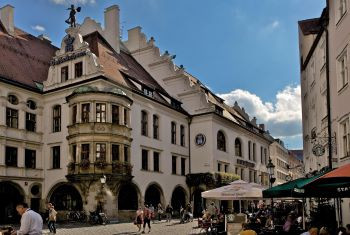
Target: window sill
(178, 175)
(51, 169)
(159, 172)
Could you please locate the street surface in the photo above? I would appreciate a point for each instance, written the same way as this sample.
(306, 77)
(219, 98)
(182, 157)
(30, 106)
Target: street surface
(172, 228)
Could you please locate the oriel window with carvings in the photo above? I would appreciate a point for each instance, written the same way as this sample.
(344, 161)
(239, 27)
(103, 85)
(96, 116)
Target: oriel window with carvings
(115, 114)
(85, 113)
(85, 151)
(100, 112)
(100, 152)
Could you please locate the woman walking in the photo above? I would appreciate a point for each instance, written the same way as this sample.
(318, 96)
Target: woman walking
(52, 218)
(139, 218)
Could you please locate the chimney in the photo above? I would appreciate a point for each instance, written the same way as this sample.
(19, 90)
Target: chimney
(262, 126)
(111, 30)
(6, 17)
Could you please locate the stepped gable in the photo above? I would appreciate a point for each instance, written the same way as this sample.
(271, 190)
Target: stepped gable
(27, 58)
(120, 66)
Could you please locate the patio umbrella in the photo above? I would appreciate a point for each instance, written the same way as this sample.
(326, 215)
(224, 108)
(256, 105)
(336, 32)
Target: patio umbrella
(334, 184)
(237, 190)
(293, 189)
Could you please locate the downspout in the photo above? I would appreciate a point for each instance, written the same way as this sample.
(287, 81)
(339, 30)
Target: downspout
(189, 154)
(325, 27)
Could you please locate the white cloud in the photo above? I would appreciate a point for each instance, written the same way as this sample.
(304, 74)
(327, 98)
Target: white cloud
(282, 119)
(67, 2)
(38, 28)
(271, 27)
(275, 24)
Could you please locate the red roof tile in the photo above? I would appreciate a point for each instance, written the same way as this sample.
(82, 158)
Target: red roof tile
(310, 26)
(24, 58)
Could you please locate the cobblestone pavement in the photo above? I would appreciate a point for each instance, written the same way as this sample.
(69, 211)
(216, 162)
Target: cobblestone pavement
(162, 227)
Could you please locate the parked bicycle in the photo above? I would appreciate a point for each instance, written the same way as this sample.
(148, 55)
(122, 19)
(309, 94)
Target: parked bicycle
(76, 216)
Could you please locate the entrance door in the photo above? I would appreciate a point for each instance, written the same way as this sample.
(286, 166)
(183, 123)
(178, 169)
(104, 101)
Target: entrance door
(9, 197)
(199, 202)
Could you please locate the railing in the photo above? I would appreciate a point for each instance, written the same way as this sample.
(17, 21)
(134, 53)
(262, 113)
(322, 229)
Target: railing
(87, 167)
(21, 172)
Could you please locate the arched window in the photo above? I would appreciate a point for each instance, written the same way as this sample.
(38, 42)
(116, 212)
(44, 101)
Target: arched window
(238, 148)
(31, 104)
(144, 123)
(155, 127)
(56, 118)
(12, 99)
(221, 142)
(173, 132)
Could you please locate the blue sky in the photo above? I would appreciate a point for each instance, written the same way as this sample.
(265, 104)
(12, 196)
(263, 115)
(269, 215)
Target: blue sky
(244, 50)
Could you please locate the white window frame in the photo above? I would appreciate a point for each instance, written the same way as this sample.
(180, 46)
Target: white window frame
(342, 70)
(345, 137)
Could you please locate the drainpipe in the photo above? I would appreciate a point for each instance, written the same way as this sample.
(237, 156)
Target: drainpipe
(325, 27)
(189, 152)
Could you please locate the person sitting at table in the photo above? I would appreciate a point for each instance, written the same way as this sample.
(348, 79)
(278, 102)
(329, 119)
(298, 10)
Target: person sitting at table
(288, 224)
(246, 230)
(269, 222)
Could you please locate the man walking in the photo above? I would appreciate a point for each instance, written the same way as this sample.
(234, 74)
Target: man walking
(31, 222)
(169, 212)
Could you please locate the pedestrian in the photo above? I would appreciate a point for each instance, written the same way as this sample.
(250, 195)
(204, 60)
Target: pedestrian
(324, 231)
(159, 211)
(168, 212)
(52, 218)
(139, 218)
(147, 219)
(151, 208)
(31, 222)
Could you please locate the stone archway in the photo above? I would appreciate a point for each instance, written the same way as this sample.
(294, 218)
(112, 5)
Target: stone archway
(178, 198)
(128, 197)
(10, 195)
(153, 195)
(66, 197)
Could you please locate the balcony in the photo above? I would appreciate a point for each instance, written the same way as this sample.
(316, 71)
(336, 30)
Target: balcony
(92, 128)
(21, 172)
(86, 170)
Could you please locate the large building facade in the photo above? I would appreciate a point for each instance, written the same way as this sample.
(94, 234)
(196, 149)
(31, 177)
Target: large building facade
(99, 122)
(323, 44)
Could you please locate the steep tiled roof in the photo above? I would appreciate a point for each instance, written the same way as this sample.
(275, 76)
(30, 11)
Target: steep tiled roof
(24, 58)
(310, 26)
(123, 68)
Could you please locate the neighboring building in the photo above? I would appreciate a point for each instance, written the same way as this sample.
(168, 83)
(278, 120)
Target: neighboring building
(295, 165)
(104, 123)
(331, 29)
(280, 157)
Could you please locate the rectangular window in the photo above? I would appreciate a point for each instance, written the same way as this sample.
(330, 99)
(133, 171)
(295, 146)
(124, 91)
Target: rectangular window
(343, 70)
(173, 132)
(265, 156)
(155, 127)
(236, 171)
(85, 151)
(64, 73)
(250, 176)
(126, 154)
(74, 153)
(242, 174)
(74, 114)
(219, 167)
(115, 114)
(11, 156)
(262, 155)
(226, 168)
(30, 122)
(183, 166)
(30, 158)
(249, 150)
(56, 154)
(144, 165)
(85, 113)
(173, 165)
(11, 118)
(100, 112)
(115, 152)
(78, 69)
(100, 152)
(255, 177)
(345, 138)
(144, 123)
(182, 135)
(254, 152)
(56, 118)
(125, 117)
(156, 161)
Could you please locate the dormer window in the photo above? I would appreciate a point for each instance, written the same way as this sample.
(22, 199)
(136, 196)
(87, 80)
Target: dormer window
(78, 70)
(64, 73)
(147, 91)
(175, 104)
(219, 110)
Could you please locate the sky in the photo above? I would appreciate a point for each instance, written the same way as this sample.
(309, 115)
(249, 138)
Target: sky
(243, 50)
